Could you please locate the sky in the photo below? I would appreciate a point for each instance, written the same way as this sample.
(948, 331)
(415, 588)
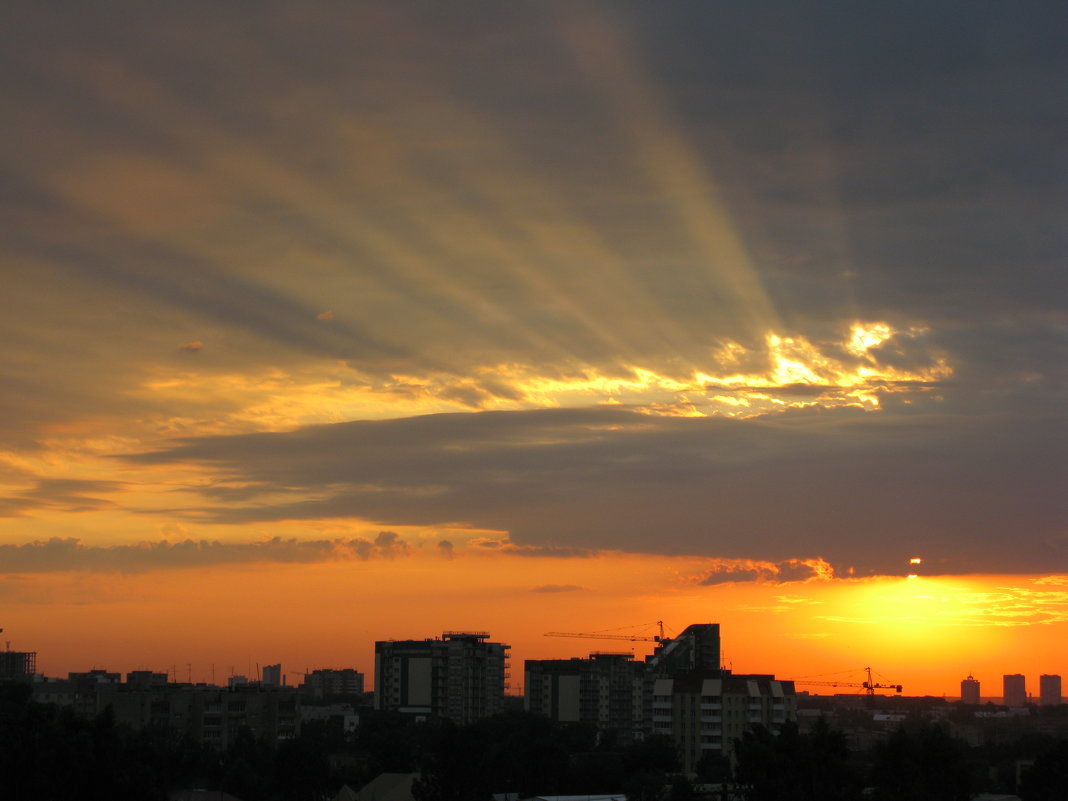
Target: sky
(327, 323)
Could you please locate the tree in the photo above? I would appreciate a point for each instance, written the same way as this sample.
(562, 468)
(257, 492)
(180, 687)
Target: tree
(922, 765)
(789, 765)
(1047, 779)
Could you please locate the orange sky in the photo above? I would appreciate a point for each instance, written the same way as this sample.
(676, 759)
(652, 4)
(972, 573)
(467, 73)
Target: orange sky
(924, 632)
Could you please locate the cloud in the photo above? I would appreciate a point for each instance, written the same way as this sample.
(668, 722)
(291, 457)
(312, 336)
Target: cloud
(66, 495)
(71, 554)
(325, 316)
(526, 239)
(861, 492)
(727, 571)
(446, 549)
(555, 588)
(550, 550)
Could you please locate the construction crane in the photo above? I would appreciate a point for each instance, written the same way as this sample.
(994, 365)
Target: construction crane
(870, 686)
(596, 635)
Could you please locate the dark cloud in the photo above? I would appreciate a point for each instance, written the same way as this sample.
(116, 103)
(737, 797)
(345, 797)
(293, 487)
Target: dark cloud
(550, 550)
(71, 554)
(778, 573)
(858, 489)
(628, 186)
(63, 494)
(900, 165)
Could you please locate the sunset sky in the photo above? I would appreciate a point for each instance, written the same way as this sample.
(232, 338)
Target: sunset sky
(327, 323)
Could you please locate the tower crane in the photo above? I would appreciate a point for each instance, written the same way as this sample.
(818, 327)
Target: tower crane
(869, 686)
(596, 635)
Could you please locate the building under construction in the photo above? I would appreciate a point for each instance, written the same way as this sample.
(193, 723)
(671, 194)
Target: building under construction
(681, 691)
(17, 664)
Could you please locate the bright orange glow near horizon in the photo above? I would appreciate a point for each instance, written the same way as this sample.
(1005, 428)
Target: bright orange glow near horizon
(925, 633)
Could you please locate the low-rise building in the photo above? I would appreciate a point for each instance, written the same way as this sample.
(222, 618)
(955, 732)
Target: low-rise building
(208, 714)
(344, 715)
(325, 682)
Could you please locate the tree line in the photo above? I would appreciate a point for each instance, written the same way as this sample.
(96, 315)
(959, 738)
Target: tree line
(48, 752)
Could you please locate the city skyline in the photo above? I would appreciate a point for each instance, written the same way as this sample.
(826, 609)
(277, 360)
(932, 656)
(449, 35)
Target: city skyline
(332, 324)
(840, 682)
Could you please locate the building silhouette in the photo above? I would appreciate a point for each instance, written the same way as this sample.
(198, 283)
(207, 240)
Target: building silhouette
(330, 681)
(94, 677)
(17, 664)
(208, 714)
(461, 677)
(1014, 690)
(696, 648)
(272, 675)
(704, 714)
(606, 691)
(146, 678)
(680, 691)
(969, 690)
(1049, 689)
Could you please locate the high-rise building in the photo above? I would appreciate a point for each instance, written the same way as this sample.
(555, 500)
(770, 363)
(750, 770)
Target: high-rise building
(969, 690)
(604, 691)
(1049, 689)
(697, 648)
(1014, 690)
(272, 675)
(705, 712)
(462, 676)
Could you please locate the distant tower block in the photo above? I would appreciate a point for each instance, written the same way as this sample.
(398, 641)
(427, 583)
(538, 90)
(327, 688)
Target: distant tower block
(1014, 689)
(969, 690)
(1049, 690)
(272, 675)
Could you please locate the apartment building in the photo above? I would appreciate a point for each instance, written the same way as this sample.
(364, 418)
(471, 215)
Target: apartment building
(705, 712)
(605, 690)
(461, 676)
